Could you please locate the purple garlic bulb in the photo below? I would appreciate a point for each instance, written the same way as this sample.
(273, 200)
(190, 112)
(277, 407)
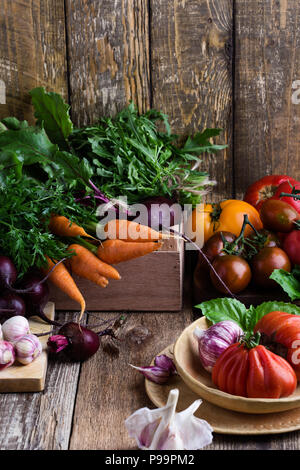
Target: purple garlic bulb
(213, 341)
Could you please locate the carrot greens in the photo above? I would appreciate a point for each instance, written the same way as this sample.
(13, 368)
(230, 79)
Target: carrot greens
(25, 210)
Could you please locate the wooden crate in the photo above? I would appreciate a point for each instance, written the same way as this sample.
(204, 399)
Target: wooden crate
(150, 283)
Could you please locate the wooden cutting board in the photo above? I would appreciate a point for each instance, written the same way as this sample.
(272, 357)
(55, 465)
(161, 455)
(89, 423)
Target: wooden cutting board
(29, 378)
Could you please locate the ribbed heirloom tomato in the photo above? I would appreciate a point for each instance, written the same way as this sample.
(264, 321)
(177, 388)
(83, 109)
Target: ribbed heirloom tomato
(228, 216)
(253, 372)
(280, 328)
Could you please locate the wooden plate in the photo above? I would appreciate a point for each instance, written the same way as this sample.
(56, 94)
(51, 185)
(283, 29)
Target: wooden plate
(195, 376)
(223, 421)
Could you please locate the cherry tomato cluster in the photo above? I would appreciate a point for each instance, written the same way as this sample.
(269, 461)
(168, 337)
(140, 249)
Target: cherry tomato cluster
(268, 238)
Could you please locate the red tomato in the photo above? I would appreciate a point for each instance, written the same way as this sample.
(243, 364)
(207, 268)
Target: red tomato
(265, 188)
(284, 329)
(291, 246)
(253, 373)
(287, 188)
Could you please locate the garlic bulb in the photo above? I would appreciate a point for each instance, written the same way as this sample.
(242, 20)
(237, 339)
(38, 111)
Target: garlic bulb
(15, 327)
(27, 348)
(164, 429)
(213, 341)
(7, 354)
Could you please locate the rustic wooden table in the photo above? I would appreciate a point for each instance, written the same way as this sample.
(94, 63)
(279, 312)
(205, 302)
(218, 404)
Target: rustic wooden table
(84, 406)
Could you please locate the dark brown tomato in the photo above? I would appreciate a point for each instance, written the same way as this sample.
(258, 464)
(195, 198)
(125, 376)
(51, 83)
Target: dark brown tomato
(214, 245)
(278, 216)
(264, 263)
(271, 238)
(234, 271)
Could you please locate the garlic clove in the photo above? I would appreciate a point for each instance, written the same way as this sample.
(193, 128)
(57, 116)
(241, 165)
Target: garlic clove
(165, 362)
(7, 354)
(1, 333)
(164, 429)
(154, 374)
(15, 327)
(159, 373)
(28, 348)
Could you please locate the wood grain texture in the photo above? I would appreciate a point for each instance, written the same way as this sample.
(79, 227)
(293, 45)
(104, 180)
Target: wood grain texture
(108, 56)
(191, 53)
(41, 421)
(110, 390)
(149, 283)
(32, 52)
(267, 123)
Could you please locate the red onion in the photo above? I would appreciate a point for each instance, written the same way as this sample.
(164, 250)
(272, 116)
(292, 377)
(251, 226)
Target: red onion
(213, 341)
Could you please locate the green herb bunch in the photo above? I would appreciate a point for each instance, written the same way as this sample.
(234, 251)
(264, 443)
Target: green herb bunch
(25, 210)
(124, 156)
(131, 157)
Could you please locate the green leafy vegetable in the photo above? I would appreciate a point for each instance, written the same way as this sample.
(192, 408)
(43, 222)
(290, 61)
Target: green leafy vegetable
(221, 309)
(290, 282)
(131, 157)
(226, 308)
(53, 114)
(25, 210)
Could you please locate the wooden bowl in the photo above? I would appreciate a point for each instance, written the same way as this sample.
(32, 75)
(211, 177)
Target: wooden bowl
(199, 380)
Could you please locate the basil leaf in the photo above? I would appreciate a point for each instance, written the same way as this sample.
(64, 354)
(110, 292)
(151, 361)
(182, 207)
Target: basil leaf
(289, 283)
(272, 306)
(225, 308)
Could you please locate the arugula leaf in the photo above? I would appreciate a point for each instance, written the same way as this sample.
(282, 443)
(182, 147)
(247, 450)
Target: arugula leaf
(201, 143)
(288, 281)
(225, 308)
(52, 112)
(132, 157)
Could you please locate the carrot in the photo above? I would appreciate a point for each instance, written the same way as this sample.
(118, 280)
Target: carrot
(129, 231)
(116, 251)
(85, 264)
(60, 225)
(61, 277)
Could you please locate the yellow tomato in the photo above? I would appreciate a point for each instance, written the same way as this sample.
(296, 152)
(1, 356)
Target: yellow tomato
(227, 215)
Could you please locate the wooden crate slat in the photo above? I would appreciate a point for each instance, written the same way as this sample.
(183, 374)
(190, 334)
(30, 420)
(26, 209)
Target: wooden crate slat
(267, 63)
(191, 69)
(33, 53)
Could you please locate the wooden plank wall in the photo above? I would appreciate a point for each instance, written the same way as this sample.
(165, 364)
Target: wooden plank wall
(231, 64)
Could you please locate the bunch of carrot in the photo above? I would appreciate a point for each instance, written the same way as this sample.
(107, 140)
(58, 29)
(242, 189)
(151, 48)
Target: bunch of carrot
(127, 240)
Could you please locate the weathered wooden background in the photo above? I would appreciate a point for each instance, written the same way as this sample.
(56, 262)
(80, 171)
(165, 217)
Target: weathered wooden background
(233, 64)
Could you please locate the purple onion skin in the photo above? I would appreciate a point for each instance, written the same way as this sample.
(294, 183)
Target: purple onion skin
(83, 343)
(159, 217)
(8, 273)
(215, 340)
(10, 300)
